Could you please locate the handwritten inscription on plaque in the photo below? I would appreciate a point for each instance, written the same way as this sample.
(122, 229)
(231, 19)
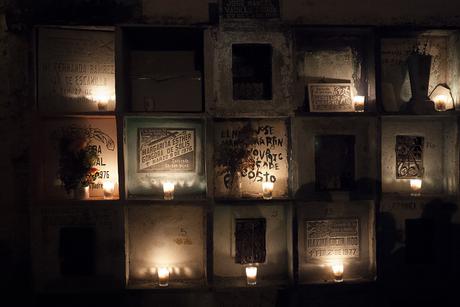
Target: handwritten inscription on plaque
(332, 238)
(330, 97)
(250, 240)
(250, 8)
(164, 149)
(409, 156)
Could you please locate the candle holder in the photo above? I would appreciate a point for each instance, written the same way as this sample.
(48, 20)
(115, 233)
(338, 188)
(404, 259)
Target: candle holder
(251, 275)
(358, 102)
(440, 103)
(108, 187)
(416, 187)
(168, 190)
(163, 276)
(267, 190)
(337, 271)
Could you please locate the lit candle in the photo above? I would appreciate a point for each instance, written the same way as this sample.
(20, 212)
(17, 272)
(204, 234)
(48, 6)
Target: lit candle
(168, 190)
(440, 103)
(267, 189)
(163, 276)
(251, 275)
(358, 102)
(108, 188)
(416, 186)
(337, 271)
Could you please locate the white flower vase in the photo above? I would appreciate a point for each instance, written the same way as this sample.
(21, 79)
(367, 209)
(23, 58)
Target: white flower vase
(235, 187)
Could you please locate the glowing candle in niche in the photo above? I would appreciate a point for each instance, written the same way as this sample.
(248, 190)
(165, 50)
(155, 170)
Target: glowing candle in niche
(440, 103)
(358, 102)
(108, 188)
(267, 190)
(163, 276)
(416, 186)
(251, 275)
(168, 190)
(337, 271)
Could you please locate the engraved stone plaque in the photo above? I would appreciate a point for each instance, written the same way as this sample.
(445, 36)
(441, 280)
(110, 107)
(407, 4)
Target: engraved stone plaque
(250, 240)
(250, 9)
(335, 162)
(163, 149)
(409, 156)
(330, 97)
(327, 239)
(76, 70)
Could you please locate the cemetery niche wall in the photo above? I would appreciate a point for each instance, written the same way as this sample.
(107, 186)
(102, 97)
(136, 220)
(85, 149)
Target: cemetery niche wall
(75, 70)
(164, 152)
(336, 233)
(170, 237)
(255, 234)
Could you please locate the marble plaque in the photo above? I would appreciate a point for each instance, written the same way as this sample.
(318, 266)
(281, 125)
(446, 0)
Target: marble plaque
(326, 239)
(250, 9)
(330, 97)
(160, 150)
(76, 70)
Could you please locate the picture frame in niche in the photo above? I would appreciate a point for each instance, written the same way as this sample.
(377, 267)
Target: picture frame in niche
(334, 162)
(250, 244)
(330, 97)
(409, 156)
(164, 150)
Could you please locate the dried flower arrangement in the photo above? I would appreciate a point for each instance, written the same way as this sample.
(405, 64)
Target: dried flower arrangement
(77, 158)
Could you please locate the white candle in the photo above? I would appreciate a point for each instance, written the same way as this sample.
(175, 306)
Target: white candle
(267, 189)
(337, 271)
(440, 103)
(416, 186)
(358, 102)
(251, 275)
(168, 190)
(163, 276)
(108, 188)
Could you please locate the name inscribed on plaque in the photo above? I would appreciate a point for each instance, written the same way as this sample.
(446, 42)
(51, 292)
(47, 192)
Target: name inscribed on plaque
(250, 9)
(330, 97)
(332, 238)
(166, 149)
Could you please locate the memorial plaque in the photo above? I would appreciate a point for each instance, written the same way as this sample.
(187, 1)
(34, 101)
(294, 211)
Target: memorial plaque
(334, 162)
(98, 134)
(409, 157)
(250, 240)
(76, 70)
(330, 97)
(161, 150)
(258, 149)
(252, 71)
(250, 9)
(165, 149)
(332, 238)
